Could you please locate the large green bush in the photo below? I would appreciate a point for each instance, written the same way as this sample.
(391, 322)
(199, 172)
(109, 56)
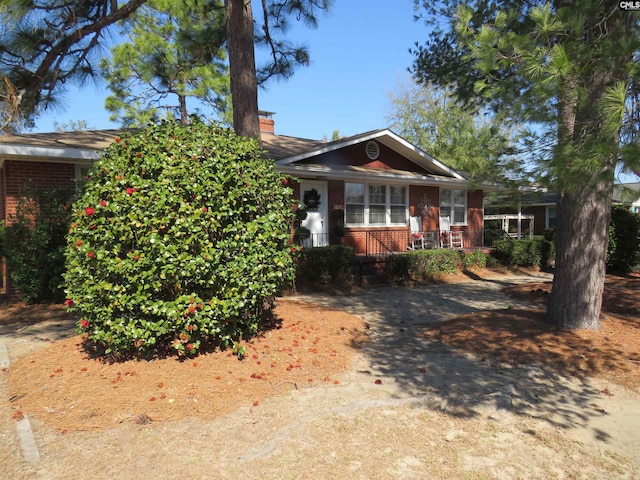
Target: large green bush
(178, 242)
(34, 243)
(624, 240)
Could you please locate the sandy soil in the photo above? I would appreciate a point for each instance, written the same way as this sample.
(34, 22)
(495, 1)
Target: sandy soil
(454, 380)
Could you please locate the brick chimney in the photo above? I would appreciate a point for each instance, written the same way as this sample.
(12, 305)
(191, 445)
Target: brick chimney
(267, 124)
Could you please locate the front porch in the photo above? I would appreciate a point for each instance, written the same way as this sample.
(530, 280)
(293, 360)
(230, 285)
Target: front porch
(375, 243)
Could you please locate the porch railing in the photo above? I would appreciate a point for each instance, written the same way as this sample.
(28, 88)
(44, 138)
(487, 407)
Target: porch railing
(315, 240)
(380, 243)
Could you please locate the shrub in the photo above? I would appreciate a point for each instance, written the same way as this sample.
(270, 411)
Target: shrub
(34, 244)
(521, 253)
(179, 242)
(547, 251)
(474, 260)
(623, 253)
(326, 265)
(422, 265)
(525, 253)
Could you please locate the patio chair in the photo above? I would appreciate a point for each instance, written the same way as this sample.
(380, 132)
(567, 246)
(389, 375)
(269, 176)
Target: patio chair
(416, 237)
(449, 238)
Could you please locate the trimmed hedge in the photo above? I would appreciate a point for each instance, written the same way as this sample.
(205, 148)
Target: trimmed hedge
(326, 265)
(422, 265)
(475, 260)
(525, 253)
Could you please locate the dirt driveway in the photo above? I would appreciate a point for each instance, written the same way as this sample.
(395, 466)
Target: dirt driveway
(409, 407)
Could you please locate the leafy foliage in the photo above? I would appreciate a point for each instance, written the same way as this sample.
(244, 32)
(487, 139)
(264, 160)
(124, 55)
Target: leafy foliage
(173, 55)
(422, 265)
(179, 241)
(322, 266)
(34, 244)
(525, 253)
(47, 43)
(474, 260)
(624, 240)
(543, 63)
(431, 118)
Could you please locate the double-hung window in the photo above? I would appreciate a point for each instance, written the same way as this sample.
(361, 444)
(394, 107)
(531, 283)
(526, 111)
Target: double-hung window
(375, 204)
(550, 220)
(453, 204)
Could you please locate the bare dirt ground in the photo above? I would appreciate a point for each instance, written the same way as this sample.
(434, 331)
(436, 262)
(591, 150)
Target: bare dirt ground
(460, 379)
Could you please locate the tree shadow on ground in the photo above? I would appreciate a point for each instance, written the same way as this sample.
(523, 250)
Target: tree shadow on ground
(44, 322)
(405, 344)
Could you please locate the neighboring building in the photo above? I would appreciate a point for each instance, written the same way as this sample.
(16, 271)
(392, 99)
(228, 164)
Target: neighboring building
(627, 194)
(370, 184)
(542, 205)
(537, 206)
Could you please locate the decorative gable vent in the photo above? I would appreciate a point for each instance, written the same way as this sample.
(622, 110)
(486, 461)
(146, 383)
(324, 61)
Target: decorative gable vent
(373, 149)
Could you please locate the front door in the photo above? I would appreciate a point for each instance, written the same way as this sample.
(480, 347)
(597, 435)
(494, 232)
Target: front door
(313, 195)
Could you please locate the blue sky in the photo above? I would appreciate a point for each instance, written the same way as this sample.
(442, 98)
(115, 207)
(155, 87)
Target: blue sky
(359, 52)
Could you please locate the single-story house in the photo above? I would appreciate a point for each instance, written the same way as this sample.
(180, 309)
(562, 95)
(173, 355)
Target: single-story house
(368, 184)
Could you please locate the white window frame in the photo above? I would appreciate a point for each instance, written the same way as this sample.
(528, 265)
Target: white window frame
(387, 222)
(547, 209)
(450, 210)
(82, 170)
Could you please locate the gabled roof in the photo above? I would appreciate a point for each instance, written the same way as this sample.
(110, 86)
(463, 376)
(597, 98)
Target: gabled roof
(291, 154)
(385, 137)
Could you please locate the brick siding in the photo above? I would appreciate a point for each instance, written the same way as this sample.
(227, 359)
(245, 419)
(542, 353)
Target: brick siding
(16, 175)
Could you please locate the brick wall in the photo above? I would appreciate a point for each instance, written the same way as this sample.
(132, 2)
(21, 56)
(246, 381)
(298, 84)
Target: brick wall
(475, 210)
(416, 196)
(15, 175)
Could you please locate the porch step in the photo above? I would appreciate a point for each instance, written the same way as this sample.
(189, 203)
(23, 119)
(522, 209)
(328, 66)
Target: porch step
(372, 280)
(369, 271)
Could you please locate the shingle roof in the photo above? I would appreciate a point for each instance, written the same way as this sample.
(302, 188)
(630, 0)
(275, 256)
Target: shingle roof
(277, 146)
(282, 146)
(89, 139)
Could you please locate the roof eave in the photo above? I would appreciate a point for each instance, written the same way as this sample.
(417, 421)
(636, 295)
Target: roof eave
(61, 154)
(394, 141)
(327, 173)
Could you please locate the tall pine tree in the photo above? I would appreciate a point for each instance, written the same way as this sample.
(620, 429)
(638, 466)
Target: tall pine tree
(568, 68)
(47, 43)
(173, 54)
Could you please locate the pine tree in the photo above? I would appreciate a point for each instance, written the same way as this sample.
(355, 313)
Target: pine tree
(174, 53)
(568, 69)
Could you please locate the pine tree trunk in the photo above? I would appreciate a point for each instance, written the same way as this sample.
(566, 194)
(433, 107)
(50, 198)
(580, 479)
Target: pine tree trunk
(184, 114)
(242, 67)
(582, 236)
